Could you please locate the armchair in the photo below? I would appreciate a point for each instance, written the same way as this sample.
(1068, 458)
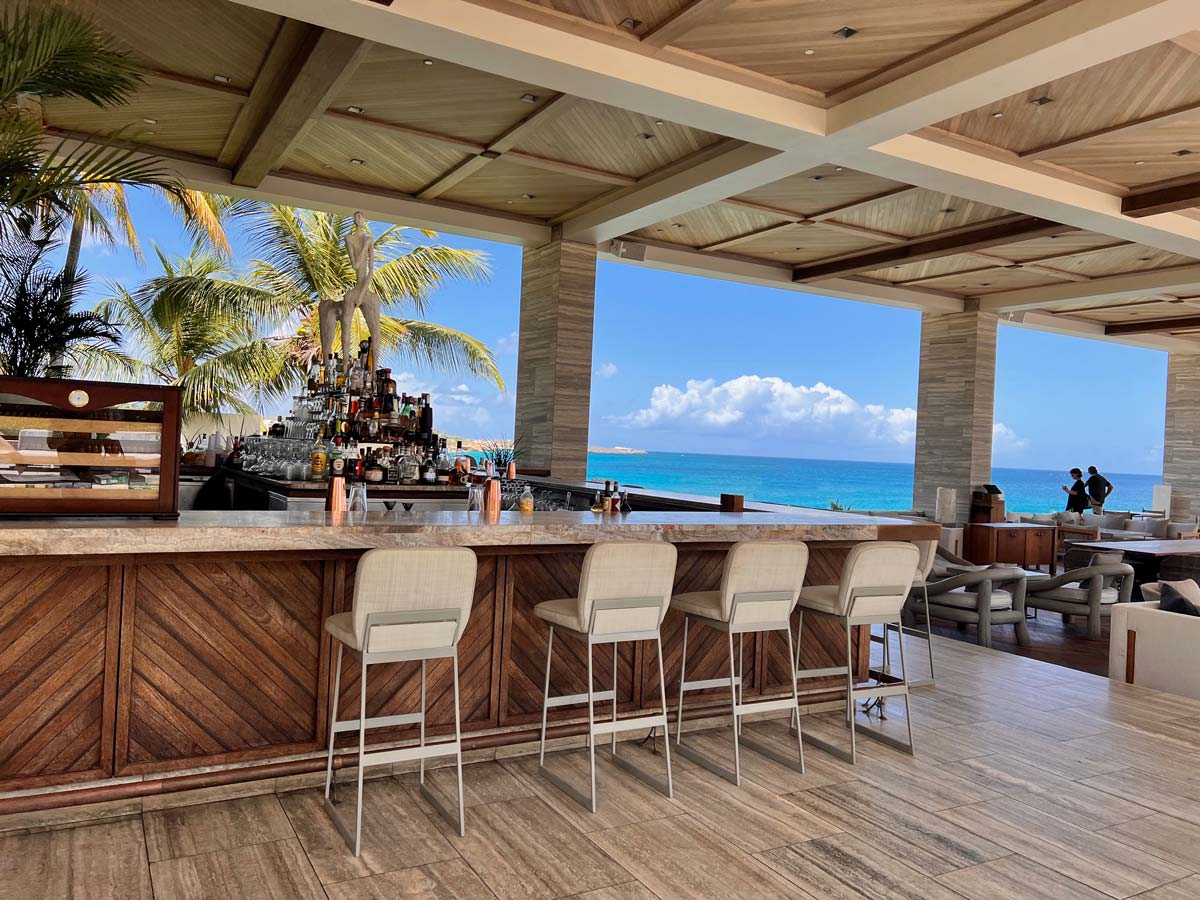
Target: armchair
(1090, 590)
(981, 597)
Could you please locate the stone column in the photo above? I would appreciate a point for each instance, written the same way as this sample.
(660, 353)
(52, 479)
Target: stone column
(1181, 438)
(554, 363)
(955, 406)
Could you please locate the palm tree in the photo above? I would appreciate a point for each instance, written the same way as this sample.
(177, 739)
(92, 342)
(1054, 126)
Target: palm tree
(215, 352)
(50, 51)
(302, 260)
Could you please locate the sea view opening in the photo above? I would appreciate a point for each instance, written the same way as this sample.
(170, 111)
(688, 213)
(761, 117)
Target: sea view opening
(622, 450)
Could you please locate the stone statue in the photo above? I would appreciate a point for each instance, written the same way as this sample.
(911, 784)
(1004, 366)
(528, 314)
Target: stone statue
(360, 247)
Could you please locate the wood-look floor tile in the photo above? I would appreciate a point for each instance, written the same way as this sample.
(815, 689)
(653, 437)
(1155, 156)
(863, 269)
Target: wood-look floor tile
(1109, 866)
(93, 862)
(621, 798)
(680, 858)
(1017, 878)
(1175, 798)
(482, 783)
(928, 785)
(820, 768)
(1069, 759)
(749, 817)
(842, 867)
(278, 869)
(631, 890)
(396, 833)
(922, 839)
(931, 742)
(188, 830)
(1166, 837)
(523, 850)
(1184, 889)
(450, 880)
(1076, 803)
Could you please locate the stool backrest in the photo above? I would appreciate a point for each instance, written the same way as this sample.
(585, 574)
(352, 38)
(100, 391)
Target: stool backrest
(928, 551)
(877, 577)
(765, 577)
(620, 571)
(430, 587)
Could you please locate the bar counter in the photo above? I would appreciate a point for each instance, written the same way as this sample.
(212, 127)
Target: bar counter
(145, 657)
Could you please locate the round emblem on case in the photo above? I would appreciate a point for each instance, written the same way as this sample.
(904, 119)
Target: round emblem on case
(78, 398)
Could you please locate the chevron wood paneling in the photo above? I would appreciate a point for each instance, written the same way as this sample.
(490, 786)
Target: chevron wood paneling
(395, 688)
(58, 629)
(221, 660)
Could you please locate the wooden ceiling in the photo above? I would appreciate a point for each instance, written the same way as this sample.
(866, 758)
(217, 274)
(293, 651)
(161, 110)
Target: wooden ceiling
(256, 93)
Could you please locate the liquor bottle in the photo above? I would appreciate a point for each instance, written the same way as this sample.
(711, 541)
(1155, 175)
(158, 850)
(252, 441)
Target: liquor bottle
(387, 385)
(526, 501)
(625, 501)
(444, 465)
(462, 466)
(354, 380)
(320, 458)
(314, 378)
(340, 383)
(410, 466)
(606, 497)
(597, 503)
(337, 462)
(616, 497)
(277, 429)
(427, 415)
(429, 470)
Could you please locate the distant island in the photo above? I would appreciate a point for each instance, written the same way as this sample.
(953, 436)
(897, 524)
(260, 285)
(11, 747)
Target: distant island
(478, 445)
(625, 451)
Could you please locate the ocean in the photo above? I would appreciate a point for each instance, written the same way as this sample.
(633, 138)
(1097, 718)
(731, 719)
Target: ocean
(818, 482)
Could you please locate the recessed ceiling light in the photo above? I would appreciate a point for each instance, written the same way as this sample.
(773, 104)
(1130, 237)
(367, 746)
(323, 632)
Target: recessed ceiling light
(816, 177)
(150, 132)
(838, 169)
(845, 32)
(357, 110)
(150, 121)
(529, 98)
(659, 122)
(646, 136)
(948, 209)
(223, 79)
(676, 224)
(809, 52)
(630, 24)
(326, 166)
(358, 162)
(527, 196)
(1140, 162)
(984, 283)
(997, 115)
(1042, 100)
(1183, 152)
(428, 62)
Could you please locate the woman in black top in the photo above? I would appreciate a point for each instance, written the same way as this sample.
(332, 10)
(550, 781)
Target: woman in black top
(1077, 498)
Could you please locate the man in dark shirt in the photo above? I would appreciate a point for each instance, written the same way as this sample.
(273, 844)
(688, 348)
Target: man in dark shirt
(1098, 488)
(1077, 496)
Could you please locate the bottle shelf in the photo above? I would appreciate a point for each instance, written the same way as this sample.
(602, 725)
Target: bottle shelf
(78, 426)
(94, 460)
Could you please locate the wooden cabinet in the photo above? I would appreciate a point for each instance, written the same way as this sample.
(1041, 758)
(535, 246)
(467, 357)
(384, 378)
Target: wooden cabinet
(1009, 542)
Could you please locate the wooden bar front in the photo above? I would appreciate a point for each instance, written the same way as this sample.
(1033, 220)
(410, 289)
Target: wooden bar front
(147, 665)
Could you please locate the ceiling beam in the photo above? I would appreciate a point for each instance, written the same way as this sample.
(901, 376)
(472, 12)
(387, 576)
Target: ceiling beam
(195, 85)
(1152, 326)
(995, 233)
(306, 90)
(1155, 201)
(1029, 265)
(687, 18)
(1124, 129)
(1111, 287)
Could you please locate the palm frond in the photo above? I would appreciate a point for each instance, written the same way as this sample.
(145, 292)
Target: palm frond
(439, 347)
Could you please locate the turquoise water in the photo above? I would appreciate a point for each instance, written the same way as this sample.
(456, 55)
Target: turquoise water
(816, 482)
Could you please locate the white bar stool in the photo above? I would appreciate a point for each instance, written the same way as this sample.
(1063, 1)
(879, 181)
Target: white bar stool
(876, 580)
(409, 604)
(760, 584)
(920, 585)
(624, 590)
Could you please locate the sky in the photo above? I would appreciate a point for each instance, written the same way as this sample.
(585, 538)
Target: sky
(683, 362)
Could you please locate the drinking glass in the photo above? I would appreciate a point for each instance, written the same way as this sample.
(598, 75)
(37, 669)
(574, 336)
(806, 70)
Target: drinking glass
(475, 498)
(358, 498)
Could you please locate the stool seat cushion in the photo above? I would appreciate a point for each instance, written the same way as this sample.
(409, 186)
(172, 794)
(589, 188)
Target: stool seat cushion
(341, 627)
(699, 603)
(562, 613)
(964, 599)
(1074, 592)
(821, 598)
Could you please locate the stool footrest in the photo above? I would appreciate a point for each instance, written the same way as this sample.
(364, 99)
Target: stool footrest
(783, 703)
(822, 673)
(575, 699)
(883, 690)
(709, 683)
(404, 754)
(630, 724)
(379, 722)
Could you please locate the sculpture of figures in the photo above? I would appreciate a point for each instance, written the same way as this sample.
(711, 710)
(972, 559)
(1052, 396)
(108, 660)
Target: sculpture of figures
(360, 247)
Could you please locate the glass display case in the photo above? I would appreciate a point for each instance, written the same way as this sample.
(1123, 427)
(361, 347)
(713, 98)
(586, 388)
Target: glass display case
(88, 448)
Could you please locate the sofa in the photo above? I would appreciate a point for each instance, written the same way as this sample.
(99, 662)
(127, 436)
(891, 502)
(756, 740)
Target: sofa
(1110, 526)
(1154, 649)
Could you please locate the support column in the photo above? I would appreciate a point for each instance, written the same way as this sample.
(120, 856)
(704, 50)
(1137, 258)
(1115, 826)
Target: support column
(554, 363)
(955, 406)
(1181, 438)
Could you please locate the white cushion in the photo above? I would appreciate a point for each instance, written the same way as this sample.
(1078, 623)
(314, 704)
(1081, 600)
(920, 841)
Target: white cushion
(820, 597)
(341, 627)
(1155, 528)
(1073, 592)
(964, 599)
(563, 613)
(699, 603)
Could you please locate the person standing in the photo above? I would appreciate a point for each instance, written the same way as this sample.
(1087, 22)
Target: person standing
(1077, 495)
(1098, 488)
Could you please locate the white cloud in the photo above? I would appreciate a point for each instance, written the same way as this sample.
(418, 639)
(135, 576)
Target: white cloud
(771, 407)
(607, 370)
(507, 344)
(1004, 439)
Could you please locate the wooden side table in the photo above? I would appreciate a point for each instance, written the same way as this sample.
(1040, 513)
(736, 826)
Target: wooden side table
(1016, 543)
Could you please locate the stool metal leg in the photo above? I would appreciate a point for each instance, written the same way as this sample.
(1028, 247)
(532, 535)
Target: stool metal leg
(546, 698)
(613, 747)
(421, 764)
(462, 820)
(733, 698)
(850, 691)
(741, 674)
(591, 726)
(796, 698)
(662, 688)
(362, 750)
(682, 679)
(337, 693)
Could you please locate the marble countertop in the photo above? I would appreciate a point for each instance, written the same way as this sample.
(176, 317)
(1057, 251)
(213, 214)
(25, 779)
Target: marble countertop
(297, 530)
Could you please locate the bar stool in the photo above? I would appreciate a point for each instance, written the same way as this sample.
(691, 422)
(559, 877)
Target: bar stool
(760, 584)
(409, 604)
(624, 590)
(920, 586)
(876, 580)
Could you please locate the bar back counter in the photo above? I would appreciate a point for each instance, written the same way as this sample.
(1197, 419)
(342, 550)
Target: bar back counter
(141, 658)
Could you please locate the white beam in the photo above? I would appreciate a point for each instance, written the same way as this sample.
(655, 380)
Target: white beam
(1076, 327)
(1113, 287)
